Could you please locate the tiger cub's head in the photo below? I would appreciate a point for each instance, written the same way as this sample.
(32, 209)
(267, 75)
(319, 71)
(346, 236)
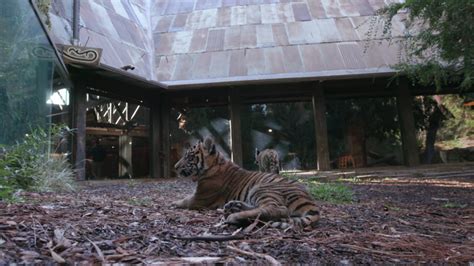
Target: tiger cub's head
(196, 160)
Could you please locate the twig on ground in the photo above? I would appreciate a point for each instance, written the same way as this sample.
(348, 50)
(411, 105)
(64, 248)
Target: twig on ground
(249, 228)
(98, 250)
(269, 258)
(217, 238)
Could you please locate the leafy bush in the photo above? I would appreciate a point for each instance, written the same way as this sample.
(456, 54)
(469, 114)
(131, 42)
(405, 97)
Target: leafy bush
(28, 165)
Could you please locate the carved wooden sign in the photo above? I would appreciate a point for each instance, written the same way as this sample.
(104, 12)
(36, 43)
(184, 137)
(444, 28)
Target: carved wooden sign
(82, 55)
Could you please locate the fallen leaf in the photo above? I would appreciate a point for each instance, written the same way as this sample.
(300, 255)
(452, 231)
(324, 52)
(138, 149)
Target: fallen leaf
(57, 257)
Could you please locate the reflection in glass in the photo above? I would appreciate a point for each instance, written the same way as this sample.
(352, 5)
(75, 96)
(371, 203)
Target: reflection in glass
(363, 132)
(188, 125)
(29, 73)
(287, 128)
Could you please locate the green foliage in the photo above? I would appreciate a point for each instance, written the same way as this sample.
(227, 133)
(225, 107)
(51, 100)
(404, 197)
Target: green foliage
(43, 7)
(461, 125)
(452, 205)
(331, 192)
(439, 40)
(28, 165)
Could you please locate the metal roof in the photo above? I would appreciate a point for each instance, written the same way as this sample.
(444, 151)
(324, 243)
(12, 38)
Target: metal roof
(181, 42)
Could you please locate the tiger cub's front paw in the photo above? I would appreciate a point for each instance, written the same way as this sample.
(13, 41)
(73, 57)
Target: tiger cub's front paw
(235, 206)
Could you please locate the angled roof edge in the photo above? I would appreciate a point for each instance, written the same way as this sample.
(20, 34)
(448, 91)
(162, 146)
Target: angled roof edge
(280, 78)
(119, 74)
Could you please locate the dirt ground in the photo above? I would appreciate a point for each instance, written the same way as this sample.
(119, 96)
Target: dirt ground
(392, 220)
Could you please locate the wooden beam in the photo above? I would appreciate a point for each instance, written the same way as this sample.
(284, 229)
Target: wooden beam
(320, 129)
(235, 126)
(79, 124)
(407, 125)
(165, 135)
(155, 139)
(110, 131)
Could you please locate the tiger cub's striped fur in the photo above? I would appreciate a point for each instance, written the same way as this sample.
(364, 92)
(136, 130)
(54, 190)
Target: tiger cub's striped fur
(243, 194)
(267, 161)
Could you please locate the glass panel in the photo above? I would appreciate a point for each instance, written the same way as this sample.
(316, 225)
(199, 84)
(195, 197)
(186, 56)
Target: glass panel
(117, 141)
(363, 132)
(33, 91)
(445, 126)
(286, 127)
(191, 124)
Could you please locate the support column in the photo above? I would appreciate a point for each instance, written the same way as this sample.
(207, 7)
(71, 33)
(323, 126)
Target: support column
(79, 124)
(155, 140)
(165, 135)
(235, 127)
(320, 129)
(407, 124)
(125, 155)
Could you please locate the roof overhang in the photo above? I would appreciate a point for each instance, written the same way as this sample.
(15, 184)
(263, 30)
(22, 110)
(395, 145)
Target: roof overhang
(281, 78)
(115, 82)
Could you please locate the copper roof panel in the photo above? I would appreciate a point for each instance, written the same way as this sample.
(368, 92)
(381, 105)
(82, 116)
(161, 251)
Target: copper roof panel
(352, 54)
(328, 30)
(219, 64)
(232, 38)
(215, 40)
(332, 8)
(223, 17)
(274, 60)
(279, 34)
(249, 38)
(184, 67)
(255, 61)
(253, 15)
(238, 15)
(265, 35)
(331, 55)
(316, 8)
(312, 58)
(182, 42)
(198, 41)
(201, 66)
(165, 67)
(237, 63)
(179, 22)
(292, 59)
(301, 12)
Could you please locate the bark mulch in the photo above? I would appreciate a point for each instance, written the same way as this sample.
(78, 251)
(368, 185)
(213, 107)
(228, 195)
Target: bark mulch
(392, 220)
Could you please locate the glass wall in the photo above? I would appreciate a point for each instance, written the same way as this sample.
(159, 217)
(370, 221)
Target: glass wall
(188, 125)
(117, 140)
(287, 128)
(445, 125)
(33, 89)
(363, 132)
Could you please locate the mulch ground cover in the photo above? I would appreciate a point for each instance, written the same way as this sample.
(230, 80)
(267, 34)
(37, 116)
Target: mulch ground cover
(405, 220)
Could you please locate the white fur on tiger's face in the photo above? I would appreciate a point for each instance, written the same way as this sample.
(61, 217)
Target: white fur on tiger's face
(245, 195)
(267, 161)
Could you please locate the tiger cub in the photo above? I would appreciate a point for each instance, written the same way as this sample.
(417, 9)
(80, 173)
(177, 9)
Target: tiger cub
(244, 194)
(267, 161)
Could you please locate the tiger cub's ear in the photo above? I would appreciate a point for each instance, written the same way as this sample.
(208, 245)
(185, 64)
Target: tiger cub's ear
(257, 152)
(187, 145)
(209, 146)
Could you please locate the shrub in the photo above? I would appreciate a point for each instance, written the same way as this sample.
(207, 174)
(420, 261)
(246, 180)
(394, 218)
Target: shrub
(28, 165)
